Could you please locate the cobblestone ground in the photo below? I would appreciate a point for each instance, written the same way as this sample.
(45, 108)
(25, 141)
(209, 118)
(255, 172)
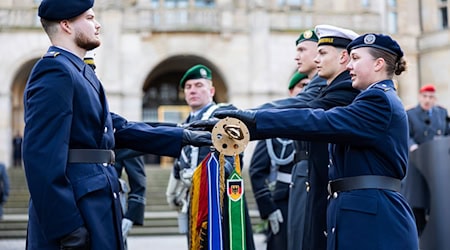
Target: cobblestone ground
(137, 243)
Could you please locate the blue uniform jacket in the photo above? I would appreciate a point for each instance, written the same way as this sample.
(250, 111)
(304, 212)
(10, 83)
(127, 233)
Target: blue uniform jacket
(370, 137)
(66, 108)
(424, 127)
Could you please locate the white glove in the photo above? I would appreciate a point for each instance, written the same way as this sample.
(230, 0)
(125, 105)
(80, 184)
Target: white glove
(173, 191)
(126, 226)
(413, 147)
(275, 218)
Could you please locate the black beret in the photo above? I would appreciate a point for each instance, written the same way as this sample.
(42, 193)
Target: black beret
(55, 10)
(378, 41)
(196, 72)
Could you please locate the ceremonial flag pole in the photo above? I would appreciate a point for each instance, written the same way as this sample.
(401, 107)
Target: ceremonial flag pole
(230, 138)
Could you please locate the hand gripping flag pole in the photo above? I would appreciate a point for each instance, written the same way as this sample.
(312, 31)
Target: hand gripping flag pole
(230, 137)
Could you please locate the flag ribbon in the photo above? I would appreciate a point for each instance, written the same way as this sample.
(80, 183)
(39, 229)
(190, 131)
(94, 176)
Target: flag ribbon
(207, 190)
(235, 192)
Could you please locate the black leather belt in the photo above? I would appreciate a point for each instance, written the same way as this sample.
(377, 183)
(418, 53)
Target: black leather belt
(364, 182)
(91, 156)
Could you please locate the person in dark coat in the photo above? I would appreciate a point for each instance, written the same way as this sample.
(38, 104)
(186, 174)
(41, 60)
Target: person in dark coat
(427, 121)
(69, 137)
(4, 187)
(368, 150)
(199, 92)
(270, 176)
(17, 150)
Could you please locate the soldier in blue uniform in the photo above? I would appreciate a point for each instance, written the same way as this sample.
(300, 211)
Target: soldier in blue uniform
(270, 176)
(368, 154)
(199, 92)
(427, 121)
(69, 136)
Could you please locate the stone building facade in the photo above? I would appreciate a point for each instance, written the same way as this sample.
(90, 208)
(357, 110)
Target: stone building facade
(249, 45)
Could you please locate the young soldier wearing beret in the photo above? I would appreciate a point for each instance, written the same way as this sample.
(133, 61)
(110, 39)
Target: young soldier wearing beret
(69, 136)
(369, 150)
(297, 83)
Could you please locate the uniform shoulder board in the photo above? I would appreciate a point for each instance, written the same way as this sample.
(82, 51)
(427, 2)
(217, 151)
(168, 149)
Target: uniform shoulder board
(383, 87)
(51, 54)
(223, 104)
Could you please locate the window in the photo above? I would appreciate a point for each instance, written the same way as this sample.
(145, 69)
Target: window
(204, 3)
(443, 13)
(392, 16)
(365, 4)
(295, 3)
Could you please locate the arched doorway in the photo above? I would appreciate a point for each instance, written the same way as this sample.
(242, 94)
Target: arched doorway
(164, 99)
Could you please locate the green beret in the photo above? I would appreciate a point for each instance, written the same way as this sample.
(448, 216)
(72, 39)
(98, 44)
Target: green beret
(296, 78)
(307, 35)
(196, 72)
(55, 10)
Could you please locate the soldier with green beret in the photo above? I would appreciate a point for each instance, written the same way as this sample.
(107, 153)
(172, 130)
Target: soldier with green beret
(297, 83)
(198, 71)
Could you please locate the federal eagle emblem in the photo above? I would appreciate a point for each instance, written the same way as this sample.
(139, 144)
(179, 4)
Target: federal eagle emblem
(235, 189)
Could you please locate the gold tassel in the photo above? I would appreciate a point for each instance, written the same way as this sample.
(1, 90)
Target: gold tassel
(222, 179)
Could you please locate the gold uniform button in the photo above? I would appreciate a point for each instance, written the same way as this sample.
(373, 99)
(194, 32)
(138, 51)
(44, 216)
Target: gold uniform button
(335, 195)
(106, 130)
(308, 187)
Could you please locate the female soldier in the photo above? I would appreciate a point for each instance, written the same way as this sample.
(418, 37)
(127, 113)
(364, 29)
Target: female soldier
(368, 154)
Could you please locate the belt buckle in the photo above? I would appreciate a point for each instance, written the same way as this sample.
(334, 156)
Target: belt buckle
(329, 188)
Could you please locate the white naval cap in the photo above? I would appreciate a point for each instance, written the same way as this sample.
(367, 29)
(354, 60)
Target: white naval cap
(334, 36)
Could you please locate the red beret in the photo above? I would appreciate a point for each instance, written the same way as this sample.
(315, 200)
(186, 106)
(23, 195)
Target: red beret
(427, 88)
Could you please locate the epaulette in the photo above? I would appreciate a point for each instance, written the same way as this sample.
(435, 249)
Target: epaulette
(383, 87)
(51, 54)
(223, 104)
